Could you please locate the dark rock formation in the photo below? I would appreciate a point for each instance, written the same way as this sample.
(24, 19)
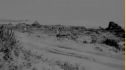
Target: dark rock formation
(116, 29)
(35, 24)
(113, 26)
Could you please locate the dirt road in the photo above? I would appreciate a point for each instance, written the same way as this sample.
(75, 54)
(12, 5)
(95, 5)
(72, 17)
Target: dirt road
(70, 51)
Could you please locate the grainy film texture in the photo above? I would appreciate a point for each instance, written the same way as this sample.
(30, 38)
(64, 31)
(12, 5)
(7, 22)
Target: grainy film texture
(62, 34)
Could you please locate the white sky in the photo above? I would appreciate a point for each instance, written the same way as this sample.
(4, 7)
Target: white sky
(71, 12)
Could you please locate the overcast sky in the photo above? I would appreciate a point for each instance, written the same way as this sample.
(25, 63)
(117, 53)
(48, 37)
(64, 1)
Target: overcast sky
(72, 12)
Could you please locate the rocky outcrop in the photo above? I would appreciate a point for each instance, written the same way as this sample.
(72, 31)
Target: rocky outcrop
(116, 29)
(35, 24)
(113, 26)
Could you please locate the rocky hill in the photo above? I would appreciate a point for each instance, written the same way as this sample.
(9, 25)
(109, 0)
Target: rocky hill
(113, 33)
(116, 29)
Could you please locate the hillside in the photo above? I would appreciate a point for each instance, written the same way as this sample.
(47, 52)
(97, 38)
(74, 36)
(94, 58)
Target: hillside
(60, 47)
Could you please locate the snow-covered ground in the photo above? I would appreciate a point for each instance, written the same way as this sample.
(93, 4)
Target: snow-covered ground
(73, 52)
